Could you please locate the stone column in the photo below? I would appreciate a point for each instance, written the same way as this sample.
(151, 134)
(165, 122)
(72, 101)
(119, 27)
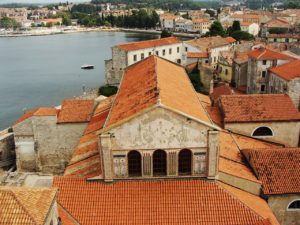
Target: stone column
(147, 162)
(105, 152)
(213, 154)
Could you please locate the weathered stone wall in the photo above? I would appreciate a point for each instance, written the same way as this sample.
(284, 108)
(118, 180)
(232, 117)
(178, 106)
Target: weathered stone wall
(279, 205)
(7, 146)
(240, 74)
(48, 146)
(206, 75)
(156, 129)
(286, 133)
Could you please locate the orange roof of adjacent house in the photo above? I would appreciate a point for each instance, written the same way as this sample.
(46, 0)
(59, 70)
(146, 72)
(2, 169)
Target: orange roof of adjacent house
(75, 111)
(231, 160)
(277, 168)
(288, 71)
(42, 111)
(268, 54)
(155, 202)
(151, 82)
(25, 116)
(25, 206)
(149, 44)
(258, 107)
(223, 89)
(209, 42)
(230, 39)
(197, 54)
(66, 217)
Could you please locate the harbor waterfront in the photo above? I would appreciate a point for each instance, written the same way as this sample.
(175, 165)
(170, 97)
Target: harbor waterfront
(43, 70)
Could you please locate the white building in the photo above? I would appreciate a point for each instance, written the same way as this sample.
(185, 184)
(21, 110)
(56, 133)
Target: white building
(125, 55)
(184, 25)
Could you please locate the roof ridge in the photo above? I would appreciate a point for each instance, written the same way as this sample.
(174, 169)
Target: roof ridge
(240, 201)
(10, 192)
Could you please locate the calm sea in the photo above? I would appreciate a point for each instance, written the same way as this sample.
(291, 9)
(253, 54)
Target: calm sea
(43, 70)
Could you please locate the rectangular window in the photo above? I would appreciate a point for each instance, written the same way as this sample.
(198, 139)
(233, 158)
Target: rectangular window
(142, 56)
(177, 49)
(262, 88)
(150, 53)
(226, 71)
(134, 58)
(186, 49)
(156, 53)
(170, 51)
(164, 52)
(263, 74)
(264, 62)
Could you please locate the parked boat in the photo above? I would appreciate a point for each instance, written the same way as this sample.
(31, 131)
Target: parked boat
(87, 67)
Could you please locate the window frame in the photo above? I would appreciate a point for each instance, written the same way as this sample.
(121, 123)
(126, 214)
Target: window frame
(293, 209)
(134, 57)
(165, 172)
(137, 174)
(252, 135)
(190, 172)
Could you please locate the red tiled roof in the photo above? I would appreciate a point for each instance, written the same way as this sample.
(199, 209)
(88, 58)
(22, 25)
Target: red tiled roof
(46, 111)
(97, 122)
(149, 44)
(230, 40)
(153, 202)
(75, 111)
(25, 206)
(66, 217)
(268, 54)
(277, 168)
(149, 82)
(223, 89)
(258, 107)
(215, 115)
(288, 71)
(25, 116)
(197, 54)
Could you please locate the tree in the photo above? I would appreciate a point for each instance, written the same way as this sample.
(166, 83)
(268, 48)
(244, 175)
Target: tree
(236, 26)
(165, 34)
(9, 23)
(66, 21)
(210, 12)
(242, 35)
(216, 29)
(49, 24)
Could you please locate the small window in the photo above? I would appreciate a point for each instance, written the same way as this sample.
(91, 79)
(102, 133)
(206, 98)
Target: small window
(185, 162)
(156, 53)
(159, 163)
(226, 71)
(275, 39)
(295, 205)
(142, 56)
(170, 51)
(264, 62)
(164, 52)
(177, 49)
(263, 74)
(134, 58)
(186, 49)
(287, 40)
(262, 88)
(134, 164)
(150, 53)
(262, 131)
(215, 59)
(206, 61)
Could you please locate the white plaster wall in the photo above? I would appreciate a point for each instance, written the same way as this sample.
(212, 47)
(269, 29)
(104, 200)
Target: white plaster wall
(159, 129)
(286, 133)
(174, 56)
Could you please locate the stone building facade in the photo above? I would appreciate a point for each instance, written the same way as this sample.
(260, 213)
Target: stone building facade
(7, 148)
(125, 55)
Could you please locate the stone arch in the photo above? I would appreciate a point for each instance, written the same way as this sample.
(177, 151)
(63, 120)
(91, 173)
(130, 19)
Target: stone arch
(159, 159)
(185, 162)
(134, 159)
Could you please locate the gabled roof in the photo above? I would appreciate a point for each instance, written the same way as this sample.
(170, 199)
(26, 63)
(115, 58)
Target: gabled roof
(288, 71)
(209, 42)
(149, 44)
(155, 202)
(277, 168)
(258, 107)
(25, 206)
(75, 111)
(268, 54)
(150, 83)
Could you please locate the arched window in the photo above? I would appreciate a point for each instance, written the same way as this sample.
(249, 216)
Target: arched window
(159, 163)
(294, 205)
(185, 162)
(262, 131)
(134, 164)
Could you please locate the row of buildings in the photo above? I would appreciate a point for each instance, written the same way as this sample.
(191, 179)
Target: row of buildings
(158, 152)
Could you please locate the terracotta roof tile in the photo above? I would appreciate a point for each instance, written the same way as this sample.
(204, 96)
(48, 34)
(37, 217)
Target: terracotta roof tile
(215, 115)
(288, 71)
(25, 116)
(75, 111)
(138, 202)
(66, 217)
(97, 122)
(223, 89)
(25, 205)
(149, 44)
(230, 40)
(259, 205)
(209, 42)
(268, 54)
(259, 107)
(277, 168)
(46, 111)
(149, 82)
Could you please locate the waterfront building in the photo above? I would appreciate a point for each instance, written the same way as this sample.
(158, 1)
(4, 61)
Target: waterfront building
(124, 55)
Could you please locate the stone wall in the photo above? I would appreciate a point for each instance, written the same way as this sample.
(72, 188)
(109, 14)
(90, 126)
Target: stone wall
(155, 129)
(279, 205)
(7, 149)
(206, 75)
(286, 133)
(49, 147)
